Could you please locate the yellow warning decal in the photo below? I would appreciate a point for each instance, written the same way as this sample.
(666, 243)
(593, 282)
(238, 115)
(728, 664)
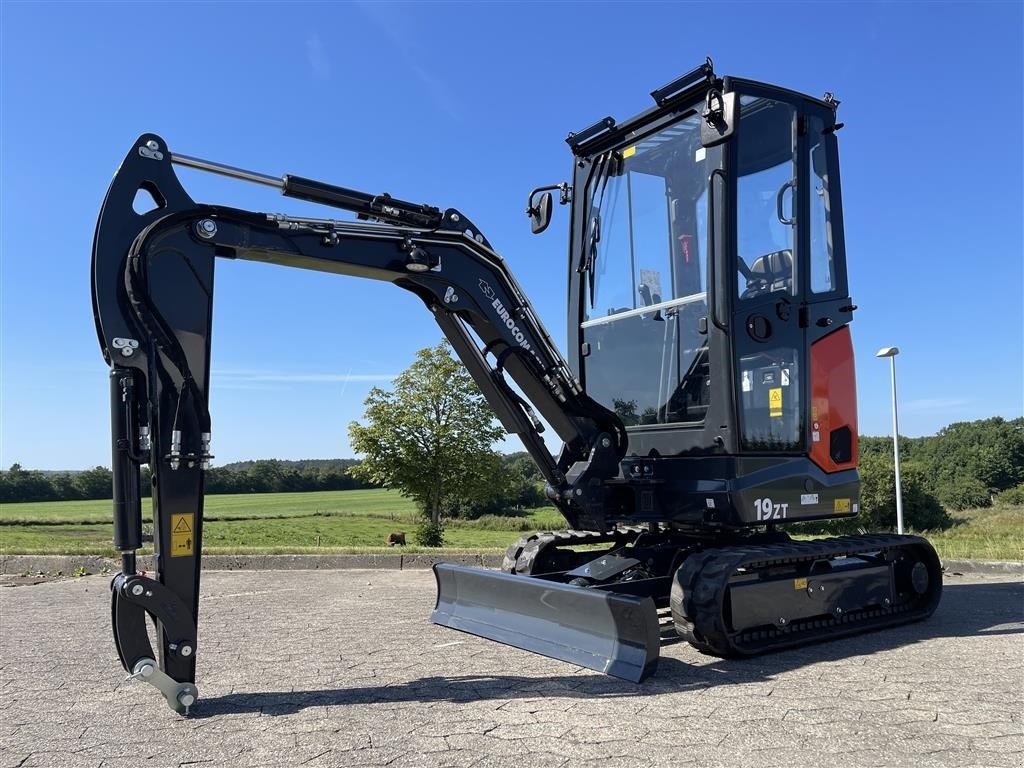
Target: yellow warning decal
(183, 539)
(799, 583)
(842, 505)
(775, 401)
(629, 152)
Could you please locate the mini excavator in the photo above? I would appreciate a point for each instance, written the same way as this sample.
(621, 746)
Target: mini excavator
(706, 402)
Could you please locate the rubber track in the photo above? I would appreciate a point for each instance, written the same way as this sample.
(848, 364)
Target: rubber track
(521, 556)
(700, 588)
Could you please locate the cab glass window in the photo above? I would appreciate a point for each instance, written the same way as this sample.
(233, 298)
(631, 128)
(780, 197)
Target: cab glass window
(822, 266)
(646, 358)
(765, 199)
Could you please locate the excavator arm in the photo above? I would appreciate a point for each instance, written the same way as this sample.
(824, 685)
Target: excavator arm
(152, 298)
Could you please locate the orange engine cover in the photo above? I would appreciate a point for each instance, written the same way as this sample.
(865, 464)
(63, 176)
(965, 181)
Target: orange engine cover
(833, 402)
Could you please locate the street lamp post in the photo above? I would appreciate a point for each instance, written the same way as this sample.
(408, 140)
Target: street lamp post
(891, 353)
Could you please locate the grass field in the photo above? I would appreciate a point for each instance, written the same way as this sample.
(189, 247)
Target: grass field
(377, 502)
(327, 521)
(996, 533)
(360, 521)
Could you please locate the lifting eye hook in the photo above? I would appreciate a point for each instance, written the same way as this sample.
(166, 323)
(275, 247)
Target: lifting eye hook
(713, 114)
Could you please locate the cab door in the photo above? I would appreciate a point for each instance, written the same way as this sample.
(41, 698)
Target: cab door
(832, 427)
(795, 389)
(769, 342)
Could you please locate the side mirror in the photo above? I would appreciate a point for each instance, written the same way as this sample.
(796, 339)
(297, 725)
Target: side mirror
(539, 208)
(539, 213)
(719, 115)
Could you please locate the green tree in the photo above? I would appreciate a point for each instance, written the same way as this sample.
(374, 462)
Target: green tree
(64, 487)
(526, 483)
(1013, 495)
(921, 510)
(430, 437)
(266, 476)
(95, 483)
(965, 492)
(970, 459)
(19, 484)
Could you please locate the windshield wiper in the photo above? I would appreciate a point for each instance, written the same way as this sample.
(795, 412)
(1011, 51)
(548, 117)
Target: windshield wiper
(588, 257)
(595, 238)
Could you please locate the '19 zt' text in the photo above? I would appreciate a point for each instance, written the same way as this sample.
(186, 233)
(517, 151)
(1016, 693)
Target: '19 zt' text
(767, 510)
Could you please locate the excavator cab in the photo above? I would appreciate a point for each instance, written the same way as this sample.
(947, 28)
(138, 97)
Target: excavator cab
(707, 399)
(704, 278)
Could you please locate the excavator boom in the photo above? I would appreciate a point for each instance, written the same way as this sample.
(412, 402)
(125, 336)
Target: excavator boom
(152, 295)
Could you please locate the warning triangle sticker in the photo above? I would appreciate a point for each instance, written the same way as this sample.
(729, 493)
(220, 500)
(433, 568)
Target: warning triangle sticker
(182, 525)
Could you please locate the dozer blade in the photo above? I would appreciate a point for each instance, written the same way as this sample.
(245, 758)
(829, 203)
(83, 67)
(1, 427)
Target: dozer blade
(611, 633)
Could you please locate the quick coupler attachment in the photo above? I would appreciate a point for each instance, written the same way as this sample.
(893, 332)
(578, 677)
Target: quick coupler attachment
(180, 696)
(604, 631)
(133, 597)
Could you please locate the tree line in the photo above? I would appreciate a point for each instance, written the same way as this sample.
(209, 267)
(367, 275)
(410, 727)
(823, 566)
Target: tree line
(965, 465)
(264, 476)
(519, 485)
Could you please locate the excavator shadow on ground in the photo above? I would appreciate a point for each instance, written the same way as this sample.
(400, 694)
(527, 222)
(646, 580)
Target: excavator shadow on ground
(967, 610)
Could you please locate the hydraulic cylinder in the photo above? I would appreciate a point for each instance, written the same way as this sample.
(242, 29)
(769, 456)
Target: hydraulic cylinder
(125, 467)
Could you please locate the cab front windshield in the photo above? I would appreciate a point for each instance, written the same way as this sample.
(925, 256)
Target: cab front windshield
(646, 357)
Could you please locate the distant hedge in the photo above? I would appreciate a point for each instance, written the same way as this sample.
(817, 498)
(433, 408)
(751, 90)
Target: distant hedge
(264, 476)
(268, 476)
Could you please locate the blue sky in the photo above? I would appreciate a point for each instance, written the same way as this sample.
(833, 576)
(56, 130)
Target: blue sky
(467, 105)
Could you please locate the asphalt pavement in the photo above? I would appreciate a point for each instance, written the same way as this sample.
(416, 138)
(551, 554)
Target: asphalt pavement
(343, 668)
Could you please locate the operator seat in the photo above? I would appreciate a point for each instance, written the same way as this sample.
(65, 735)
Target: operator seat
(770, 273)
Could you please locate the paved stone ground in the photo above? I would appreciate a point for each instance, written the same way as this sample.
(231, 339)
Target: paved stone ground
(342, 668)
